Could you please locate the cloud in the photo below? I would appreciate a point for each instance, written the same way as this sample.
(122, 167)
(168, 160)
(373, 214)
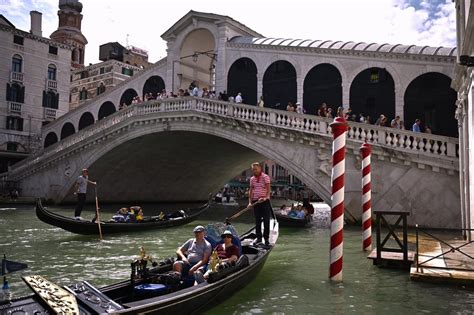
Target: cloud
(419, 22)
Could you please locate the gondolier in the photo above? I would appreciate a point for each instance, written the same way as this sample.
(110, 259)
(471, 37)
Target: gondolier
(260, 192)
(81, 190)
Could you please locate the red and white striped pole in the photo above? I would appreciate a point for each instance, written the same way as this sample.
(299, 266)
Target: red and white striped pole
(339, 130)
(366, 151)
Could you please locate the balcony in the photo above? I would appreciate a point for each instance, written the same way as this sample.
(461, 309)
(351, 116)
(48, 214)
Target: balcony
(49, 114)
(14, 108)
(51, 84)
(16, 76)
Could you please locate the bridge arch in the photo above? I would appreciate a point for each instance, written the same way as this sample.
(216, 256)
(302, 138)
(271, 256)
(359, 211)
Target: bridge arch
(198, 58)
(322, 84)
(242, 77)
(279, 84)
(154, 85)
(51, 138)
(430, 98)
(86, 120)
(67, 130)
(372, 93)
(106, 109)
(127, 96)
(135, 140)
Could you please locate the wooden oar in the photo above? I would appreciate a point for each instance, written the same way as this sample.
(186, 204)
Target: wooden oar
(97, 213)
(242, 211)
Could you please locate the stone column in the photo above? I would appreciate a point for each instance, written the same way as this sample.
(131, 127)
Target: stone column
(221, 64)
(171, 69)
(259, 85)
(299, 89)
(346, 86)
(399, 102)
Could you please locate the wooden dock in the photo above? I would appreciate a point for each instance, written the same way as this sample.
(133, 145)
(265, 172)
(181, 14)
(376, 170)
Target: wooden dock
(392, 259)
(452, 267)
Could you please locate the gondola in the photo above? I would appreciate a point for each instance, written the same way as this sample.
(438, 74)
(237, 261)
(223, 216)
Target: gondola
(287, 221)
(123, 297)
(88, 228)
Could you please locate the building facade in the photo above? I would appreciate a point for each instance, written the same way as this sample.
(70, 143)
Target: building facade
(464, 84)
(34, 81)
(89, 82)
(118, 64)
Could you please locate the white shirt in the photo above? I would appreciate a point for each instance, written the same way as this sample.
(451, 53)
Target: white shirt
(195, 91)
(82, 184)
(238, 99)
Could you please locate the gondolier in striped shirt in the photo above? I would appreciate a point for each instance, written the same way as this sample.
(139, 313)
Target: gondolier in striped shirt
(260, 194)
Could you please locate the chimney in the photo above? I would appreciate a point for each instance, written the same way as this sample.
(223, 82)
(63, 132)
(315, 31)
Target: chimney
(36, 23)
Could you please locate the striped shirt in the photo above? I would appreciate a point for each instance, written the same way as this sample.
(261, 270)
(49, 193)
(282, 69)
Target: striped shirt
(257, 185)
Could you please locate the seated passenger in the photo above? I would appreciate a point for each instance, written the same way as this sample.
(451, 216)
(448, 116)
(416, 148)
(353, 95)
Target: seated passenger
(194, 254)
(293, 213)
(226, 252)
(301, 214)
(121, 215)
(139, 216)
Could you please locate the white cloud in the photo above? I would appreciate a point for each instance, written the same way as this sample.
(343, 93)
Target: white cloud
(384, 21)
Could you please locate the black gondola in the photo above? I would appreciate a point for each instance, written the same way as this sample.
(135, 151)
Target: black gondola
(122, 298)
(288, 221)
(88, 228)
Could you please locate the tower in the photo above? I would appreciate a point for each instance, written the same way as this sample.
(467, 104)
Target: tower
(69, 30)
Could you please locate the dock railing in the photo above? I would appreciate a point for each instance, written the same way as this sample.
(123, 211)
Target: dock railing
(381, 219)
(452, 248)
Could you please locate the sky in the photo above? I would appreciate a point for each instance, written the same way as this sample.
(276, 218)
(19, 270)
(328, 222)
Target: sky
(141, 22)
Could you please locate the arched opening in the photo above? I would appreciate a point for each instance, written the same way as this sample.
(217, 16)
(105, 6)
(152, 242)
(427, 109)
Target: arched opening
(373, 93)
(67, 130)
(83, 94)
(127, 97)
(101, 88)
(197, 61)
(17, 63)
(322, 84)
(430, 98)
(15, 92)
(50, 99)
(51, 138)
(52, 72)
(242, 77)
(106, 109)
(279, 84)
(153, 85)
(86, 120)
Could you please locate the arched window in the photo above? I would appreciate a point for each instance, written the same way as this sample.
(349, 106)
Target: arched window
(101, 88)
(83, 94)
(52, 72)
(15, 92)
(17, 63)
(50, 99)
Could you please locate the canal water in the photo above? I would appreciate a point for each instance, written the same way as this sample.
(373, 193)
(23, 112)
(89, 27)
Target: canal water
(293, 281)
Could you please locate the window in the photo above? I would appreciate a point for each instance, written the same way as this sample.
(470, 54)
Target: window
(17, 63)
(83, 94)
(84, 74)
(14, 123)
(50, 99)
(52, 72)
(15, 92)
(374, 76)
(12, 146)
(127, 71)
(102, 70)
(100, 88)
(53, 50)
(18, 40)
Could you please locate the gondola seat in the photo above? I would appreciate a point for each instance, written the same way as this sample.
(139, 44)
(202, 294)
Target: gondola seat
(149, 290)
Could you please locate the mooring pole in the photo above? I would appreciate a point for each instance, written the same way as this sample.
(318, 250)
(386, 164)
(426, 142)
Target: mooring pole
(339, 130)
(366, 151)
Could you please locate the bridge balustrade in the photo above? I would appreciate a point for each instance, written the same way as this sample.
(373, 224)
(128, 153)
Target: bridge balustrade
(401, 140)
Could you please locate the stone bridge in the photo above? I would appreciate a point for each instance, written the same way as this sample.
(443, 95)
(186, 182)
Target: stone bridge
(183, 149)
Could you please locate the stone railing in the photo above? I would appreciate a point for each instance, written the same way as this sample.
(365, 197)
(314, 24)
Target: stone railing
(51, 84)
(406, 141)
(14, 108)
(16, 76)
(49, 113)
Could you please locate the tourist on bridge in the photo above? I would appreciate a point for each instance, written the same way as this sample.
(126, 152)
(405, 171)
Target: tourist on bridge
(261, 103)
(81, 190)
(416, 126)
(238, 98)
(259, 195)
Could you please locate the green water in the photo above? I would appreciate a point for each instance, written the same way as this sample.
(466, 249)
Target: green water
(293, 281)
